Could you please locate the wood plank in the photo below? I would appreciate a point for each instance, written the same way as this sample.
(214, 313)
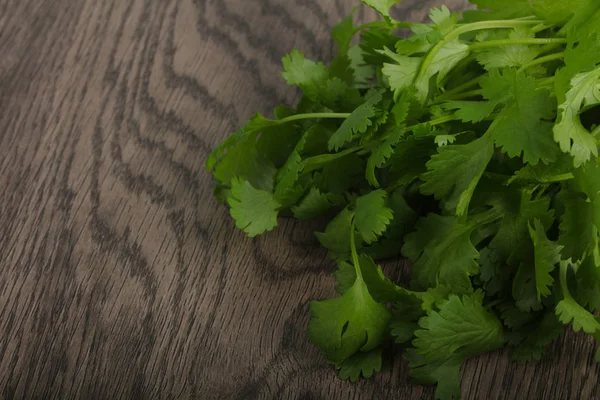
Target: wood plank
(120, 276)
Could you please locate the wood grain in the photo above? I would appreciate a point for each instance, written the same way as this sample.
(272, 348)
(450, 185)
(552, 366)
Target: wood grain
(120, 276)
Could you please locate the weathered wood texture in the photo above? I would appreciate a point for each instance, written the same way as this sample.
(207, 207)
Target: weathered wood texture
(120, 276)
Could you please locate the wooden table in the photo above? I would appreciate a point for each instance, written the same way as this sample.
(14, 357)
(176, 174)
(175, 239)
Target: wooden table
(120, 277)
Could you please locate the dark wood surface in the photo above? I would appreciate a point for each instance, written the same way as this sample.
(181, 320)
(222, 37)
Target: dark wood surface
(120, 277)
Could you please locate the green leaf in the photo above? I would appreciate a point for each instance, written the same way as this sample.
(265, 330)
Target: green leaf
(576, 227)
(454, 172)
(443, 253)
(243, 159)
(569, 311)
(345, 276)
(404, 218)
(557, 11)
(353, 322)
(512, 242)
(306, 74)
(372, 216)
(510, 56)
(255, 211)
(445, 373)
(336, 237)
(523, 127)
(530, 342)
(361, 363)
(441, 64)
(315, 204)
(385, 149)
(381, 6)
(358, 122)
(547, 256)
(524, 288)
(569, 132)
(471, 111)
(461, 328)
(381, 288)
(401, 74)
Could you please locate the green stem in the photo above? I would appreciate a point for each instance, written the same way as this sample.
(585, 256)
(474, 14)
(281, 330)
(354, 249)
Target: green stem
(560, 178)
(486, 217)
(313, 162)
(540, 28)
(475, 26)
(563, 278)
(311, 116)
(354, 252)
(466, 95)
(510, 42)
(545, 82)
(460, 88)
(542, 60)
(493, 303)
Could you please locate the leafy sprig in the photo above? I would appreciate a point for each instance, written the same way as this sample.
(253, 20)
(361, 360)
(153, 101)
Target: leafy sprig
(469, 148)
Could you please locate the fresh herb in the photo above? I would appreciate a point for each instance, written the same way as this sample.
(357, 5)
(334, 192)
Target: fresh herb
(469, 148)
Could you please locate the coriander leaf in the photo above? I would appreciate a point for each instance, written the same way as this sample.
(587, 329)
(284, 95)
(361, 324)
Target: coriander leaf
(381, 288)
(556, 11)
(588, 283)
(524, 288)
(443, 253)
(384, 150)
(569, 311)
(361, 363)
(343, 32)
(547, 255)
(255, 211)
(381, 6)
(372, 216)
(522, 127)
(381, 153)
(454, 172)
(404, 218)
(409, 159)
(357, 122)
(569, 132)
(446, 373)
(587, 179)
(345, 276)
(443, 19)
(510, 56)
(337, 95)
(512, 241)
(462, 327)
(336, 237)
(401, 75)
(315, 204)
(244, 160)
(288, 190)
(353, 322)
(440, 65)
(576, 227)
(403, 331)
(306, 74)
(471, 111)
(363, 72)
(339, 175)
(530, 342)
(499, 9)
(559, 171)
